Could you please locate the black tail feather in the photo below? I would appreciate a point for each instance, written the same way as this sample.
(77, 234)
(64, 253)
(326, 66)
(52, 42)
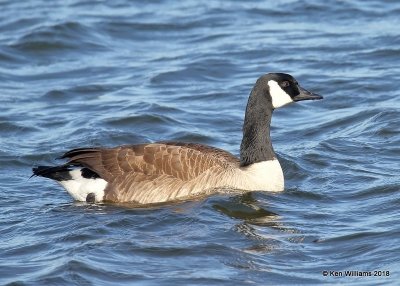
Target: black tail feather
(78, 151)
(58, 173)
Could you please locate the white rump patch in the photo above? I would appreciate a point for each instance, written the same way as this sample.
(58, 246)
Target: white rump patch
(278, 95)
(79, 187)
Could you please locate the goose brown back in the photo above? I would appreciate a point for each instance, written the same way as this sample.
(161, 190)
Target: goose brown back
(155, 172)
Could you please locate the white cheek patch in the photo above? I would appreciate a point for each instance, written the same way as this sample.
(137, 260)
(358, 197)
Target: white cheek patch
(278, 95)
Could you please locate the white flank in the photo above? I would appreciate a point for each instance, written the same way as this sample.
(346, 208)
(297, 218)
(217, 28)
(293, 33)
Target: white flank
(79, 187)
(278, 95)
(263, 176)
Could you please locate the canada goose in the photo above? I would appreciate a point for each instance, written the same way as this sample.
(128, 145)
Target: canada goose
(170, 171)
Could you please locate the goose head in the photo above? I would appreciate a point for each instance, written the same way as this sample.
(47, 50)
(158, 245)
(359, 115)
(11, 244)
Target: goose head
(284, 89)
(271, 91)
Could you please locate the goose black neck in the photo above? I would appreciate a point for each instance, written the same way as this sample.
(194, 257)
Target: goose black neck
(256, 143)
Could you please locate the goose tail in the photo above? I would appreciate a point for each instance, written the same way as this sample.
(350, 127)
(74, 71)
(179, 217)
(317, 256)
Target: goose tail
(57, 173)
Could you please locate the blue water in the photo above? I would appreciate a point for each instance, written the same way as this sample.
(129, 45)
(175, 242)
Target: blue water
(95, 73)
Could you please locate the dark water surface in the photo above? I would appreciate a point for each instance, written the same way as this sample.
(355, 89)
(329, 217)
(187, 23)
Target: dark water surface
(89, 73)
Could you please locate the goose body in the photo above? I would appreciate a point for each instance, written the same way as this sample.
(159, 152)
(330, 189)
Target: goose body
(169, 171)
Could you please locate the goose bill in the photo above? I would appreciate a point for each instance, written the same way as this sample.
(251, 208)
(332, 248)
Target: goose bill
(306, 95)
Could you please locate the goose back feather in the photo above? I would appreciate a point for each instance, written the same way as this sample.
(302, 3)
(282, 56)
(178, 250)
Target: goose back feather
(154, 172)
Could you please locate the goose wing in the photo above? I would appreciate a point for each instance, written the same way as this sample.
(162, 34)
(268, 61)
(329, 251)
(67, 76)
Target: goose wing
(152, 172)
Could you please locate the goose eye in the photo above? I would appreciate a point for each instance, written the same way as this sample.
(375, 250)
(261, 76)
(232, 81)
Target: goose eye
(285, 84)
